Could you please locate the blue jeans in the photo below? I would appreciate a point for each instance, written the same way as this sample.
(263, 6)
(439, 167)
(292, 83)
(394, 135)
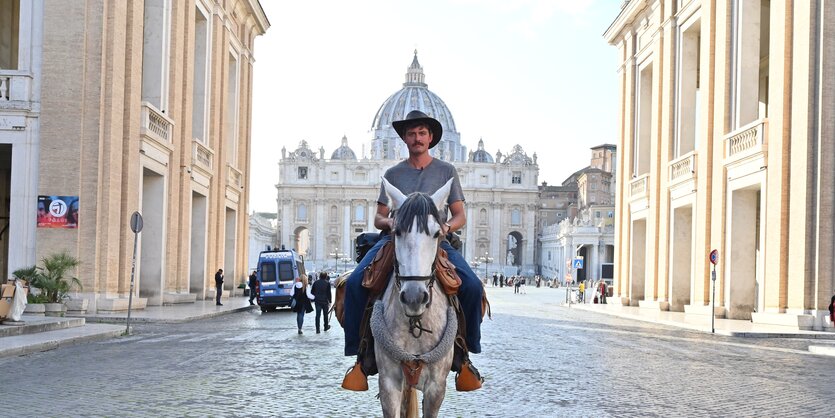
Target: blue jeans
(469, 295)
(300, 318)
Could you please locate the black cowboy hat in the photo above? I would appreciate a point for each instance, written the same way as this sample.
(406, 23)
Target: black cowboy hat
(418, 116)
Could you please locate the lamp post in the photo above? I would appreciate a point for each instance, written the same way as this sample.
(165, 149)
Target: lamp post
(336, 256)
(486, 259)
(345, 261)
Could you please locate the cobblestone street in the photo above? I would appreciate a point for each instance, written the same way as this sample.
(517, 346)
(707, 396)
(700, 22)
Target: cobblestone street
(539, 359)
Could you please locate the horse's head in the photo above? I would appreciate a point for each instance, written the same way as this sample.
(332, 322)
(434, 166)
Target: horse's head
(417, 232)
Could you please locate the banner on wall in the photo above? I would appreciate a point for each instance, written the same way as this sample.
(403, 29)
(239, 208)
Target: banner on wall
(57, 211)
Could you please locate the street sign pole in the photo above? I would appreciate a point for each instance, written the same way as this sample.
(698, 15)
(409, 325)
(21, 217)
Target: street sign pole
(713, 301)
(135, 226)
(714, 259)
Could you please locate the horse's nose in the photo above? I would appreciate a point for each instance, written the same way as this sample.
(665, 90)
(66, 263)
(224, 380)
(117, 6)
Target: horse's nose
(414, 297)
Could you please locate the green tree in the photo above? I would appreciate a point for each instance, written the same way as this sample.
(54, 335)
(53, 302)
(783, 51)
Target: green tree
(54, 279)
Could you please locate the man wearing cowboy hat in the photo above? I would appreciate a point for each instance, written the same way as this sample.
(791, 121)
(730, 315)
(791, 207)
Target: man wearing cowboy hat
(420, 172)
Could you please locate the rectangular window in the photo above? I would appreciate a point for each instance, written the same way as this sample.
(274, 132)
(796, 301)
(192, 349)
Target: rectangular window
(9, 29)
(232, 111)
(268, 272)
(201, 76)
(155, 56)
(597, 214)
(643, 119)
(285, 271)
(302, 173)
(517, 177)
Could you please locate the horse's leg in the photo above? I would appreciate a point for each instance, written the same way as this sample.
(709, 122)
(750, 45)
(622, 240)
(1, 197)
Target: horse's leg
(391, 387)
(434, 388)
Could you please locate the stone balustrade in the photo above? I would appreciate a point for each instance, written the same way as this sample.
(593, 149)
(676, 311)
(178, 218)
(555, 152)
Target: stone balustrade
(234, 176)
(638, 187)
(683, 168)
(15, 89)
(746, 141)
(201, 155)
(155, 124)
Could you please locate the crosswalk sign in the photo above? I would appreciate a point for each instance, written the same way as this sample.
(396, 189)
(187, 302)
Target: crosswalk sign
(578, 263)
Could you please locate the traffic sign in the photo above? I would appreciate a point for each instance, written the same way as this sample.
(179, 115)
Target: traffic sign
(714, 257)
(578, 263)
(136, 222)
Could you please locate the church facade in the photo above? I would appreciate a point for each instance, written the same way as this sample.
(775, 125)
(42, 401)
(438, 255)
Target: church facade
(323, 203)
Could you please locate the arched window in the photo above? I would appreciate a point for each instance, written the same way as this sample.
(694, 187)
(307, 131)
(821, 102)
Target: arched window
(359, 213)
(516, 217)
(333, 213)
(301, 212)
(482, 216)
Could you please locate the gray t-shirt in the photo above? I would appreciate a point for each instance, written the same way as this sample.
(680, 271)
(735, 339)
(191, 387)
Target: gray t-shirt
(409, 180)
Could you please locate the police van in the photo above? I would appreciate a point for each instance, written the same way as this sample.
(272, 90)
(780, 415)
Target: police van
(278, 271)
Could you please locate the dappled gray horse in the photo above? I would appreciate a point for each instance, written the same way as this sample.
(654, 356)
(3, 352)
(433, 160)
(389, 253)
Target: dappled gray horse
(413, 324)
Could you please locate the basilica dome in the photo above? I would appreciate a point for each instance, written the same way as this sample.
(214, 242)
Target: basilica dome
(480, 155)
(414, 95)
(344, 152)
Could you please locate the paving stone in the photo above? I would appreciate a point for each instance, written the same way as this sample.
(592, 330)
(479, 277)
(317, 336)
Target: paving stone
(539, 359)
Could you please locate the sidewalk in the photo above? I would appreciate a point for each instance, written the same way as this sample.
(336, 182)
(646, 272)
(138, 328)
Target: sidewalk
(728, 327)
(42, 333)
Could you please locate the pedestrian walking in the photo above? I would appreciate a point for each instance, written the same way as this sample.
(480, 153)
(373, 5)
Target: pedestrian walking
(523, 286)
(495, 280)
(501, 280)
(301, 301)
(253, 286)
(218, 286)
(322, 297)
(832, 311)
(582, 291)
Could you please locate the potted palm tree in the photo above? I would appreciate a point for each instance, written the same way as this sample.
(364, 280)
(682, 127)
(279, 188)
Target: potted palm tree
(34, 302)
(55, 281)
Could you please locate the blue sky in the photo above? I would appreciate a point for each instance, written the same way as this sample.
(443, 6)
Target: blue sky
(537, 73)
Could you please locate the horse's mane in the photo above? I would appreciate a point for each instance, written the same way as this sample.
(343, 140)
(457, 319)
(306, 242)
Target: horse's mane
(417, 205)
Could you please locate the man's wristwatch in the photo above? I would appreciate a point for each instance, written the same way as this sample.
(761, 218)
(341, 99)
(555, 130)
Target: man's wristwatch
(448, 226)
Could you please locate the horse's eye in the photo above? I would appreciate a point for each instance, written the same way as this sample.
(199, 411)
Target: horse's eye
(396, 233)
(437, 234)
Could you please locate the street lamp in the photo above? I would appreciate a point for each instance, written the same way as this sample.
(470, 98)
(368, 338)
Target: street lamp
(345, 261)
(336, 256)
(486, 259)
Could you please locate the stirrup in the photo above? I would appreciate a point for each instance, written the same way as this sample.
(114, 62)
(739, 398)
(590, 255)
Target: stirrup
(355, 379)
(468, 379)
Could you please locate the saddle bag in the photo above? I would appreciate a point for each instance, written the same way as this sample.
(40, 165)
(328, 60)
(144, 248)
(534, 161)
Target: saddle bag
(445, 273)
(377, 274)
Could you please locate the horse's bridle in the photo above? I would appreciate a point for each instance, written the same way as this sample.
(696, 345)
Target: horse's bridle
(415, 327)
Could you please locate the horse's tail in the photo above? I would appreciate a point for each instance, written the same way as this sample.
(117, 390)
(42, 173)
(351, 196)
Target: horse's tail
(410, 395)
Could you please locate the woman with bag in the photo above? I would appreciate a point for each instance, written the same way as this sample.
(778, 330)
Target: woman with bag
(300, 303)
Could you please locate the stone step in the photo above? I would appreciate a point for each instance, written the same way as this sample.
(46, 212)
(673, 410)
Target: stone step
(30, 324)
(19, 345)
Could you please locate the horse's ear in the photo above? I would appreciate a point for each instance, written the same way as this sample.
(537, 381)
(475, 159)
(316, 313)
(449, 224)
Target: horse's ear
(396, 197)
(440, 196)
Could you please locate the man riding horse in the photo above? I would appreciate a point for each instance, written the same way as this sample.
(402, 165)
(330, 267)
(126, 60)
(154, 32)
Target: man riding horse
(418, 173)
